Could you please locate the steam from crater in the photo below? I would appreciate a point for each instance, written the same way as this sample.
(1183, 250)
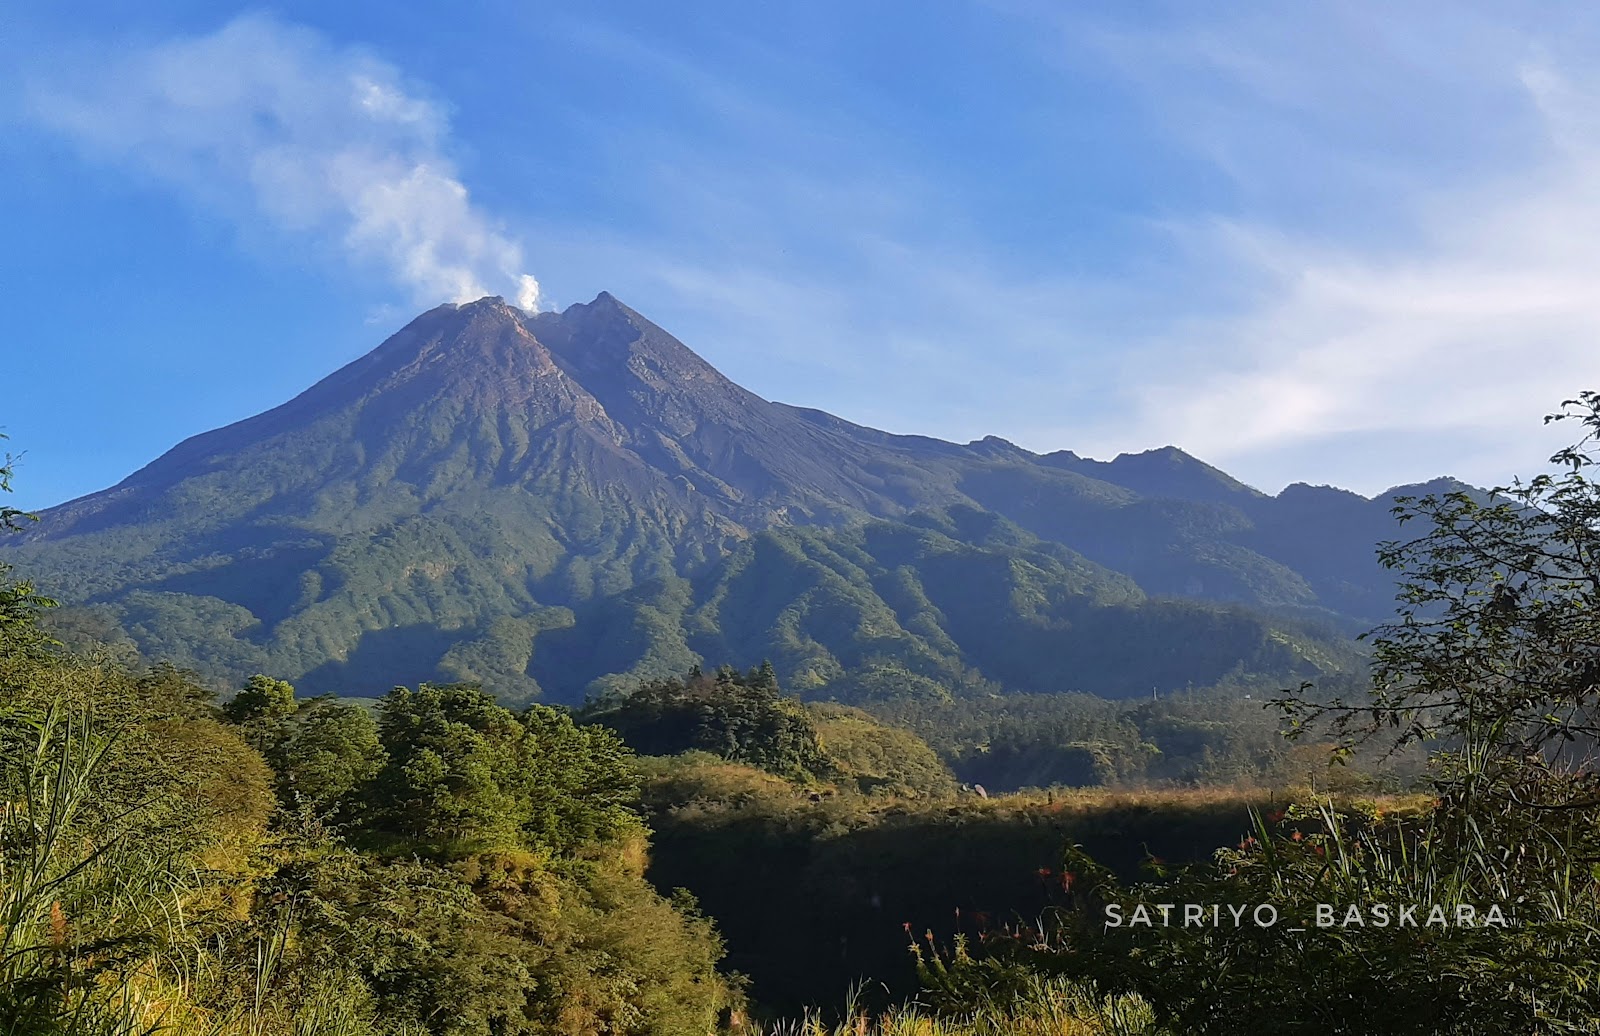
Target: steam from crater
(267, 119)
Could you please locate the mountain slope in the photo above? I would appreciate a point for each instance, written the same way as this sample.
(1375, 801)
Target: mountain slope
(545, 501)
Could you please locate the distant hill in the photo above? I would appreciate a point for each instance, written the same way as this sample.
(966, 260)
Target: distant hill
(556, 503)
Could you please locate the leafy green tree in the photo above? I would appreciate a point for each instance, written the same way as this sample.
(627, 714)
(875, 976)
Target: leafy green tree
(582, 784)
(464, 773)
(11, 518)
(330, 751)
(262, 698)
(454, 767)
(20, 601)
(429, 955)
(168, 692)
(742, 717)
(323, 751)
(1495, 652)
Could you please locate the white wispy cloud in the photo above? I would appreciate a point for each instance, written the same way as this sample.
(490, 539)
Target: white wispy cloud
(1422, 326)
(267, 119)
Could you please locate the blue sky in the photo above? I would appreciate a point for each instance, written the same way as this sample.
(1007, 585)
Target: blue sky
(1334, 243)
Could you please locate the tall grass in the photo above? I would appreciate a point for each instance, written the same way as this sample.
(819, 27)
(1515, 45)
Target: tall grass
(76, 890)
(94, 937)
(1043, 1006)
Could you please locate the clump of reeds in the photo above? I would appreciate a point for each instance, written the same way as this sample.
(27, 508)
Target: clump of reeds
(1043, 1006)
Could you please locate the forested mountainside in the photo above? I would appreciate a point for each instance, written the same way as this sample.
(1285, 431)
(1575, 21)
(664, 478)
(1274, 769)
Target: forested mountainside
(552, 504)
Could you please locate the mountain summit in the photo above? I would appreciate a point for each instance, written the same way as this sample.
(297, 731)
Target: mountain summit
(595, 400)
(543, 501)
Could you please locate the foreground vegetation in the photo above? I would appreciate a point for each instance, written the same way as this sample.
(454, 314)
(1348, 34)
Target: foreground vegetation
(454, 867)
(1039, 1007)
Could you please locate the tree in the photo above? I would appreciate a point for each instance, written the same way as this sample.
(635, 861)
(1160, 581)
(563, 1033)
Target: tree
(322, 750)
(11, 518)
(1494, 656)
(169, 692)
(328, 752)
(742, 717)
(262, 698)
(583, 784)
(465, 774)
(455, 758)
(19, 601)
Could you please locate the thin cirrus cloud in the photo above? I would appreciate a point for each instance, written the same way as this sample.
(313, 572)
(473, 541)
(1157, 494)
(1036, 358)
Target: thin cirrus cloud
(267, 120)
(1409, 252)
(1463, 335)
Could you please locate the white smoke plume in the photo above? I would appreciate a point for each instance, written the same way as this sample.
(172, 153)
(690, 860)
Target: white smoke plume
(329, 142)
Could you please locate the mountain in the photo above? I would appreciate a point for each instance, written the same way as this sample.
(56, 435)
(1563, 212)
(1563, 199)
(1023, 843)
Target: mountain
(555, 503)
